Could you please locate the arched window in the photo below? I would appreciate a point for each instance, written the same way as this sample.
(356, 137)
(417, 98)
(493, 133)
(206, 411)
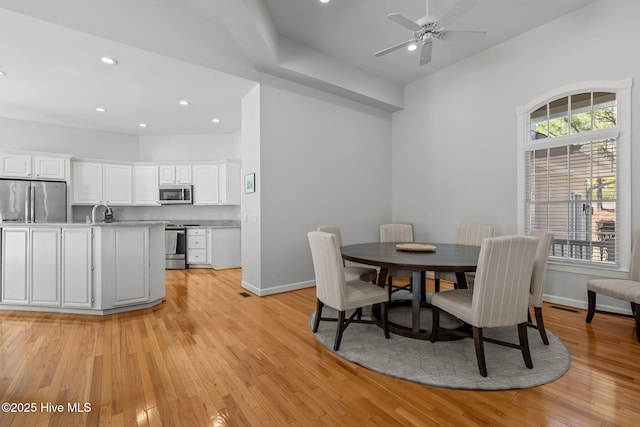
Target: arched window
(572, 177)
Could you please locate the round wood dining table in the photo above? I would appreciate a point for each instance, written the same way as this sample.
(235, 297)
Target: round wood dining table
(459, 259)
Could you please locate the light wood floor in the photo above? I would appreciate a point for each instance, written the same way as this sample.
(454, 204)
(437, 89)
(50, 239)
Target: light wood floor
(210, 357)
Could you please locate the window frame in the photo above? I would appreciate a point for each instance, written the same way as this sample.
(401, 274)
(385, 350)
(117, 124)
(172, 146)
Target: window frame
(622, 89)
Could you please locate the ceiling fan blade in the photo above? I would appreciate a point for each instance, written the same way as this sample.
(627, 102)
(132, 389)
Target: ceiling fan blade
(462, 7)
(404, 21)
(396, 47)
(462, 36)
(425, 53)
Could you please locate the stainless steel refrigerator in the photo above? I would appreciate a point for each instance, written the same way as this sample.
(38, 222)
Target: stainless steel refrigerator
(33, 201)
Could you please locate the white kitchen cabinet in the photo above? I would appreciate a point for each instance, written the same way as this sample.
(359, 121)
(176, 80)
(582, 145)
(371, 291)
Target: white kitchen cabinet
(224, 247)
(15, 266)
(49, 167)
(145, 187)
(175, 174)
(131, 265)
(205, 185)
(87, 183)
(117, 187)
(77, 256)
(15, 165)
(104, 183)
(32, 166)
(229, 186)
(44, 266)
(31, 266)
(197, 246)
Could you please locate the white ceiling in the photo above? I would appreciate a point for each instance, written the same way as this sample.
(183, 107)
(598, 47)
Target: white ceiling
(54, 74)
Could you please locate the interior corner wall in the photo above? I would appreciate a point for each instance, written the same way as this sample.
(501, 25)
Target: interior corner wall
(321, 162)
(454, 144)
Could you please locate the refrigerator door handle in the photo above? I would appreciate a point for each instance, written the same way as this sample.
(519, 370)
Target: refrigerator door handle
(27, 197)
(33, 204)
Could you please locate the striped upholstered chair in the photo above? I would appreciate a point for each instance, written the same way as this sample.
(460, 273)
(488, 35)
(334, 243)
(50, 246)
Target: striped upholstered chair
(352, 270)
(545, 238)
(500, 296)
(468, 234)
(334, 291)
(624, 289)
(397, 232)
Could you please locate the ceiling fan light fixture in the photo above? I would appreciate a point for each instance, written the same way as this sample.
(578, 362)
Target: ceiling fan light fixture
(143, 125)
(215, 120)
(101, 110)
(412, 47)
(184, 102)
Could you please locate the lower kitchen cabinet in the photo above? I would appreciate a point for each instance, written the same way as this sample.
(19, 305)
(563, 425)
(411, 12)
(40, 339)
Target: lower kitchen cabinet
(77, 256)
(224, 247)
(31, 269)
(44, 266)
(197, 250)
(15, 266)
(213, 247)
(82, 269)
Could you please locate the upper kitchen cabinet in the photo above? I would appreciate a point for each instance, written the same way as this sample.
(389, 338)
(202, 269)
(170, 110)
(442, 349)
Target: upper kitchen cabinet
(205, 185)
(86, 180)
(175, 174)
(23, 165)
(117, 186)
(145, 186)
(216, 184)
(106, 183)
(229, 183)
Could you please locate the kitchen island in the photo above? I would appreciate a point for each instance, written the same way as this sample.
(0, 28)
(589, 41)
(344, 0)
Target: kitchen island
(82, 268)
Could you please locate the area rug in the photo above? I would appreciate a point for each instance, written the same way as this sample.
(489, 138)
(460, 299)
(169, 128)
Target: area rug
(447, 364)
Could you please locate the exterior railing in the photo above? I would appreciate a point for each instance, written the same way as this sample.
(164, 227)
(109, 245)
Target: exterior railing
(588, 250)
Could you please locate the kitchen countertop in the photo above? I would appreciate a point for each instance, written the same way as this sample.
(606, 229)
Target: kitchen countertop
(85, 224)
(189, 223)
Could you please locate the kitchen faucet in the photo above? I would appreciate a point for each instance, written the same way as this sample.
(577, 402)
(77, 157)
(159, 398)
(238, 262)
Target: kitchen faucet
(93, 211)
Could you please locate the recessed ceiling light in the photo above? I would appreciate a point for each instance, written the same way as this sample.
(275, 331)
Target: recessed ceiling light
(143, 125)
(325, 1)
(184, 102)
(412, 47)
(110, 61)
(216, 120)
(101, 110)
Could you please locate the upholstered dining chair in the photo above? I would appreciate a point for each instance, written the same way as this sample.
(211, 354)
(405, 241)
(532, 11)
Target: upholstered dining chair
(624, 289)
(545, 239)
(334, 291)
(352, 270)
(499, 298)
(398, 232)
(467, 234)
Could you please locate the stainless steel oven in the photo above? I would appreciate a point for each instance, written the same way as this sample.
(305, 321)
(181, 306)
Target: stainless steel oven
(175, 194)
(175, 247)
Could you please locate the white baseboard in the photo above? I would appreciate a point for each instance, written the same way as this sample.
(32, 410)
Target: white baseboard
(583, 304)
(278, 289)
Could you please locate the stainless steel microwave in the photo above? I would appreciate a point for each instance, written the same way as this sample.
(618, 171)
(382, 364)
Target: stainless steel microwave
(176, 194)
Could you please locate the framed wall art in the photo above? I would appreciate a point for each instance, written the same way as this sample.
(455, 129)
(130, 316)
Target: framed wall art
(250, 183)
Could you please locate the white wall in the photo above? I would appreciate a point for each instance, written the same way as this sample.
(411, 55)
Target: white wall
(250, 148)
(454, 144)
(323, 160)
(157, 148)
(36, 136)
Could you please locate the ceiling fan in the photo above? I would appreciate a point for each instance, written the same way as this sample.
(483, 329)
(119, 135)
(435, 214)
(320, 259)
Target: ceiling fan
(430, 28)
